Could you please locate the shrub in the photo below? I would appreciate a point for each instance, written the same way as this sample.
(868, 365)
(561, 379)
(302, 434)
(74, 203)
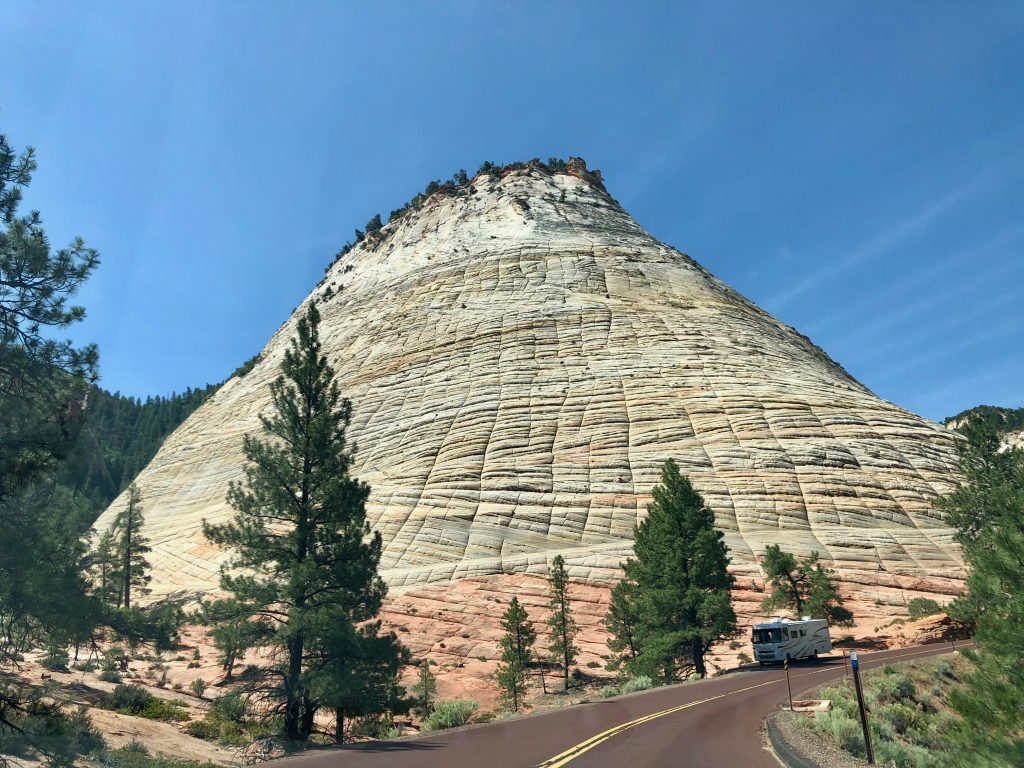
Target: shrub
(198, 687)
(130, 698)
(593, 664)
(56, 659)
(920, 607)
(744, 658)
(231, 707)
(608, 691)
(86, 666)
(639, 683)
(110, 676)
(135, 700)
(375, 727)
(450, 714)
(894, 689)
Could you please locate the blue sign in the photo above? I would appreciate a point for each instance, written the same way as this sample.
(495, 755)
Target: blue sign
(853, 660)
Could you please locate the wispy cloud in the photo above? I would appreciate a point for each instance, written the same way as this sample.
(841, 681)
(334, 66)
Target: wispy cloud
(890, 238)
(863, 306)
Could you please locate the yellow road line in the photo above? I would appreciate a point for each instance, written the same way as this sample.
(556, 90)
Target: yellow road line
(575, 751)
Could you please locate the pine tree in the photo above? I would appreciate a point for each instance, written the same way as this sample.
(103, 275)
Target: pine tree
(987, 508)
(516, 654)
(682, 600)
(424, 690)
(563, 628)
(131, 548)
(803, 586)
(104, 569)
(621, 623)
(304, 558)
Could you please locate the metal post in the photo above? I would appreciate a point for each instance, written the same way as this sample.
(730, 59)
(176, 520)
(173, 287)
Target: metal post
(789, 689)
(860, 703)
(846, 666)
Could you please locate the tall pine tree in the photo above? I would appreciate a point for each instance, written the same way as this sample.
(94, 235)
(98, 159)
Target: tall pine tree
(988, 511)
(131, 548)
(563, 628)
(803, 586)
(516, 654)
(304, 558)
(621, 623)
(682, 600)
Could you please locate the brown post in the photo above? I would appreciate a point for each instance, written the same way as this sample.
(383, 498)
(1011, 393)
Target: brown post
(789, 689)
(860, 703)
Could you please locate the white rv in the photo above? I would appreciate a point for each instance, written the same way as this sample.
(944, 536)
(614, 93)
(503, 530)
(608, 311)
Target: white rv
(790, 639)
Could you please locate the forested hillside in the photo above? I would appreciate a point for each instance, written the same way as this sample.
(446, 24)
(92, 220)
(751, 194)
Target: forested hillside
(1002, 419)
(121, 435)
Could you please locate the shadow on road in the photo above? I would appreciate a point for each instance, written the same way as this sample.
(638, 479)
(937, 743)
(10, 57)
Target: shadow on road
(390, 746)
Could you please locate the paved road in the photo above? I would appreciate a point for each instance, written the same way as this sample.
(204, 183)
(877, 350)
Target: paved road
(709, 724)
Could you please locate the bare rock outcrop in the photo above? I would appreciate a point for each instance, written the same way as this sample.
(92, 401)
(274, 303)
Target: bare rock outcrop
(521, 359)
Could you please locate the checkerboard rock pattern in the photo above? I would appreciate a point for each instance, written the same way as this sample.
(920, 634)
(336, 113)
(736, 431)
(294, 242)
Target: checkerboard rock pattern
(521, 359)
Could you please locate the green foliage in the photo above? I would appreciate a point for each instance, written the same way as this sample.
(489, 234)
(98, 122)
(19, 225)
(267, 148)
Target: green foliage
(450, 714)
(608, 691)
(638, 683)
(803, 586)
(516, 654)
(198, 687)
(304, 565)
(109, 676)
(135, 700)
(129, 565)
(563, 628)
(987, 508)
(44, 381)
(56, 658)
(919, 607)
(136, 755)
(989, 417)
(677, 601)
(621, 623)
(424, 691)
(241, 371)
(228, 722)
(41, 728)
(233, 630)
(908, 728)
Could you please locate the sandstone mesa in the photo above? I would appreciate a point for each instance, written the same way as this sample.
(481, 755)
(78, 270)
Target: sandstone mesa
(521, 359)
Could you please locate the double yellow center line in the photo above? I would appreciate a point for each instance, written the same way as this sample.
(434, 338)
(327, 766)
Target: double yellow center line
(585, 746)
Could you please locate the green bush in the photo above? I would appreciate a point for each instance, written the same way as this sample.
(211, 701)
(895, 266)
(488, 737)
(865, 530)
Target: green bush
(110, 676)
(130, 698)
(198, 687)
(608, 691)
(86, 666)
(56, 659)
(135, 700)
(920, 607)
(638, 683)
(895, 689)
(136, 755)
(376, 727)
(450, 714)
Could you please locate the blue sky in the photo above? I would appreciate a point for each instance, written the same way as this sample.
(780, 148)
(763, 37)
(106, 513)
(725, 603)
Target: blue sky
(855, 169)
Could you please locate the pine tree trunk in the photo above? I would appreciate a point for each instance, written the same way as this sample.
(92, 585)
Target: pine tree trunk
(308, 715)
(698, 657)
(293, 703)
(128, 559)
(339, 728)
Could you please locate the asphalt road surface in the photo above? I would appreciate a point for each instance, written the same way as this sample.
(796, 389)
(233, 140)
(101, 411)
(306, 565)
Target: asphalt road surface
(713, 723)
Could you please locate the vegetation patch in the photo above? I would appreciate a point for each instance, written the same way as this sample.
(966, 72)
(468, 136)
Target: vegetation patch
(135, 700)
(910, 714)
(450, 714)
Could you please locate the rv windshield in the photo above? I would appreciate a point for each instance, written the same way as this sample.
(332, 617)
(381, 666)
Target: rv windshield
(767, 635)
